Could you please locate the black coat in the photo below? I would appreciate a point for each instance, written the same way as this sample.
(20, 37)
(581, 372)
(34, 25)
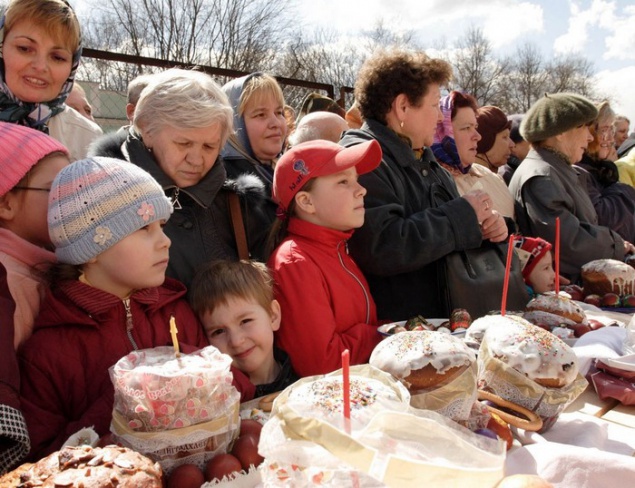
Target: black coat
(614, 201)
(202, 229)
(405, 235)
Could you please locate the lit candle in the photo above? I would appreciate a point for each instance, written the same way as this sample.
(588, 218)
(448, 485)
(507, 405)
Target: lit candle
(346, 390)
(173, 332)
(508, 266)
(557, 255)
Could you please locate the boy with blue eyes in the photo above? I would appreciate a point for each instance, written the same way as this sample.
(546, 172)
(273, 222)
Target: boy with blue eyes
(234, 301)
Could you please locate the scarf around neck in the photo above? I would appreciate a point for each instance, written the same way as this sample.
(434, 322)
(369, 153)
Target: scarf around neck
(34, 115)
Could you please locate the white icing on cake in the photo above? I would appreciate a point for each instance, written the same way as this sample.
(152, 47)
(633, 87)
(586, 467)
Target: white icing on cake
(476, 331)
(532, 351)
(402, 353)
(620, 275)
(558, 305)
(324, 399)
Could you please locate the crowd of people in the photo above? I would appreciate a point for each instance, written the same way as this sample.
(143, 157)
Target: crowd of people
(280, 241)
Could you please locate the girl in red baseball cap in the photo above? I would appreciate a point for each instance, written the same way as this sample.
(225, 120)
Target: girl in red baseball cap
(325, 299)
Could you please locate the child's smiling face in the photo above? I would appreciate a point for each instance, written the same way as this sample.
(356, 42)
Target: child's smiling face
(243, 329)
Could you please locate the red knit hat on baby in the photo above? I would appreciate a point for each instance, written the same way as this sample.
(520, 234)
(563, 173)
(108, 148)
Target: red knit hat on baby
(22, 148)
(530, 250)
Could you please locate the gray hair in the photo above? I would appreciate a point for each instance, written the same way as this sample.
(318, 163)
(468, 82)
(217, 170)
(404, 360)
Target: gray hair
(136, 86)
(183, 99)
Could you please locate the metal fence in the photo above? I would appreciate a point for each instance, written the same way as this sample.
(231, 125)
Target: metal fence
(109, 106)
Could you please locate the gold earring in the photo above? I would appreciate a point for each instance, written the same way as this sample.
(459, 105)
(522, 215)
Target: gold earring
(401, 125)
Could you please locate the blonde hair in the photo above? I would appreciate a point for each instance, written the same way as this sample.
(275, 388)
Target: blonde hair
(606, 115)
(217, 281)
(56, 17)
(257, 88)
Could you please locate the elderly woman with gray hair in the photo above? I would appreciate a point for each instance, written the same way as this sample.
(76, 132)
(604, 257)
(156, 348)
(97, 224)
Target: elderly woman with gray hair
(181, 122)
(547, 187)
(614, 201)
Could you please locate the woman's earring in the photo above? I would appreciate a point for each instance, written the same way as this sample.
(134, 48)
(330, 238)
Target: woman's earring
(401, 125)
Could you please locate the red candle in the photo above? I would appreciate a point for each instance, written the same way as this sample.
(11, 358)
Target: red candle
(346, 389)
(557, 255)
(508, 266)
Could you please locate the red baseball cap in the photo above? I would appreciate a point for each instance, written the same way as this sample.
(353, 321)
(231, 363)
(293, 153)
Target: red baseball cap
(319, 158)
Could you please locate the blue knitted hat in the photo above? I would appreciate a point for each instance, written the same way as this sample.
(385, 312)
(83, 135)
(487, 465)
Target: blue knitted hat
(96, 202)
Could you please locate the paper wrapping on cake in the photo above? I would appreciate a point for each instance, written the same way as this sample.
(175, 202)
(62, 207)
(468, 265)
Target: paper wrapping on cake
(501, 379)
(398, 446)
(454, 398)
(175, 410)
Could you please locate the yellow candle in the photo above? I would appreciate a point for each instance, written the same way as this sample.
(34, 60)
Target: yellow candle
(173, 332)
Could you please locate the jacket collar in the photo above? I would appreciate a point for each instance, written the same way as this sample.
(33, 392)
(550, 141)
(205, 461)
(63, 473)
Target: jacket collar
(203, 193)
(396, 145)
(324, 235)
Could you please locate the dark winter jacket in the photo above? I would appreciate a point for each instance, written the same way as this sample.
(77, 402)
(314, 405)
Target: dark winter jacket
(80, 333)
(407, 229)
(238, 156)
(545, 186)
(614, 201)
(14, 437)
(510, 168)
(201, 230)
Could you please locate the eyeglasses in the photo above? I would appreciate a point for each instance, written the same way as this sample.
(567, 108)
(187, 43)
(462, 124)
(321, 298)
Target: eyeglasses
(31, 188)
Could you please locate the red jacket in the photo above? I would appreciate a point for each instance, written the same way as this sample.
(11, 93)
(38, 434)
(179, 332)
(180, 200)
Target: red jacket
(81, 332)
(325, 300)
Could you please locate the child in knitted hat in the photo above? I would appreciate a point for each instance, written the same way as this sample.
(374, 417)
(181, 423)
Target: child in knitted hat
(536, 263)
(29, 161)
(325, 299)
(108, 297)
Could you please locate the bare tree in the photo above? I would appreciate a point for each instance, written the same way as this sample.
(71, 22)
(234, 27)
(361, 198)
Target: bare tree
(526, 81)
(571, 73)
(476, 69)
(236, 34)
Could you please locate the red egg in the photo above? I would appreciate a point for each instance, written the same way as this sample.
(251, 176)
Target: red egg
(221, 465)
(186, 476)
(595, 324)
(250, 427)
(610, 300)
(580, 329)
(246, 450)
(593, 300)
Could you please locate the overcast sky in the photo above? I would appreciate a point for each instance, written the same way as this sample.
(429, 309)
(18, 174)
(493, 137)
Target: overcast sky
(601, 30)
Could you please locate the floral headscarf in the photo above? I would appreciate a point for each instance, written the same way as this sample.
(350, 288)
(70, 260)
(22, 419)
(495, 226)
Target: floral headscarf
(34, 115)
(444, 146)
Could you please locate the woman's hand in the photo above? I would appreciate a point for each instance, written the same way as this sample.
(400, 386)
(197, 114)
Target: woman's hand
(482, 204)
(494, 227)
(629, 248)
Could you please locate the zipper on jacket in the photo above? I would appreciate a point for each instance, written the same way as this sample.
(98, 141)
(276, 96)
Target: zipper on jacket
(354, 277)
(129, 325)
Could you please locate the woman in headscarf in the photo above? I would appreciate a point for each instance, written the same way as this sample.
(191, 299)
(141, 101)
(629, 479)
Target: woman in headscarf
(456, 143)
(40, 53)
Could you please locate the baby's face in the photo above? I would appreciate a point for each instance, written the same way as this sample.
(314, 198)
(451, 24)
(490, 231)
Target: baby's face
(243, 329)
(543, 277)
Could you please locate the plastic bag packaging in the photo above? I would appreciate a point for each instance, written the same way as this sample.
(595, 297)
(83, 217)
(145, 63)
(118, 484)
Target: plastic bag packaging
(401, 447)
(610, 382)
(175, 410)
(629, 340)
(501, 379)
(453, 399)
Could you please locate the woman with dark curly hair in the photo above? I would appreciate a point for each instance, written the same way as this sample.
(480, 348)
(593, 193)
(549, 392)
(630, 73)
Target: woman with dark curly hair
(414, 215)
